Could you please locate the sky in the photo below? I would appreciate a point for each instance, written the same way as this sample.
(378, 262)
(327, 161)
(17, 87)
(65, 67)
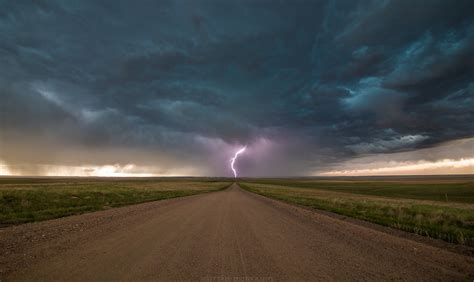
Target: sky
(161, 88)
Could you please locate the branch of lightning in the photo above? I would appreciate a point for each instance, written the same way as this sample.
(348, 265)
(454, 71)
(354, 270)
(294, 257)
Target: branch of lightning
(232, 161)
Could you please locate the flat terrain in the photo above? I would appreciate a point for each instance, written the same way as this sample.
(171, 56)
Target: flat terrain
(35, 199)
(229, 235)
(443, 188)
(440, 207)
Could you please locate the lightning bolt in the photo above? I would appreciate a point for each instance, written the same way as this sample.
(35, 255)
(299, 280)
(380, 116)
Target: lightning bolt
(232, 161)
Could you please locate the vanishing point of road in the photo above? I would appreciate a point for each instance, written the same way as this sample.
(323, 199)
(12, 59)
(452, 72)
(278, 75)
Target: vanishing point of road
(230, 235)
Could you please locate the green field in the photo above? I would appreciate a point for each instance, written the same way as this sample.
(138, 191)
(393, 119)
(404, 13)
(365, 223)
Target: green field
(33, 199)
(438, 207)
(441, 207)
(448, 188)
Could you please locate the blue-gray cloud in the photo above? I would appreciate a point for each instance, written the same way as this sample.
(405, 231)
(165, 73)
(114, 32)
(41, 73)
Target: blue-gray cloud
(325, 80)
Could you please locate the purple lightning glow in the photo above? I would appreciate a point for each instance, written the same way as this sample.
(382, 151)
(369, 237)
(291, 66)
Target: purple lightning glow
(232, 161)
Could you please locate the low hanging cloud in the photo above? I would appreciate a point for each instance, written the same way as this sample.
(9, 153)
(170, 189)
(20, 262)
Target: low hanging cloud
(455, 157)
(388, 145)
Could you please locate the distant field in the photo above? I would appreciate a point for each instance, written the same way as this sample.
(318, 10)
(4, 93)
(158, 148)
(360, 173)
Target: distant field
(440, 207)
(436, 188)
(33, 199)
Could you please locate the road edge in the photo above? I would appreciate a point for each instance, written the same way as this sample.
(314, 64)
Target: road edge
(437, 243)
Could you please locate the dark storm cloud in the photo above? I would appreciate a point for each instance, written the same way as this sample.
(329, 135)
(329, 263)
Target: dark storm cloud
(179, 81)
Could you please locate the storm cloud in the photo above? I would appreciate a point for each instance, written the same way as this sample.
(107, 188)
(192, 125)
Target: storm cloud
(175, 87)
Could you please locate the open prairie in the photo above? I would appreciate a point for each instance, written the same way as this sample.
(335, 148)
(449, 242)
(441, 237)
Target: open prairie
(235, 235)
(33, 199)
(441, 207)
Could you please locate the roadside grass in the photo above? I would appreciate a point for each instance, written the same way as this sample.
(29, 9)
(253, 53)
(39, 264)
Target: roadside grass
(24, 200)
(451, 222)
(448, 189)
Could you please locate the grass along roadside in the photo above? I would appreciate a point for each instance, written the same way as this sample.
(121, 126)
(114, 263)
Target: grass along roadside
(28, 201)
(452, 223)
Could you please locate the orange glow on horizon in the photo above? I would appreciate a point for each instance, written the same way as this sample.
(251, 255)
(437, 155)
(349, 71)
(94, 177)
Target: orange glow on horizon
(445, 166)
(116, 170)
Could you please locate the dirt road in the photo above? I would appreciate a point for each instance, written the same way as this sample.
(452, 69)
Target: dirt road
(230, 235)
